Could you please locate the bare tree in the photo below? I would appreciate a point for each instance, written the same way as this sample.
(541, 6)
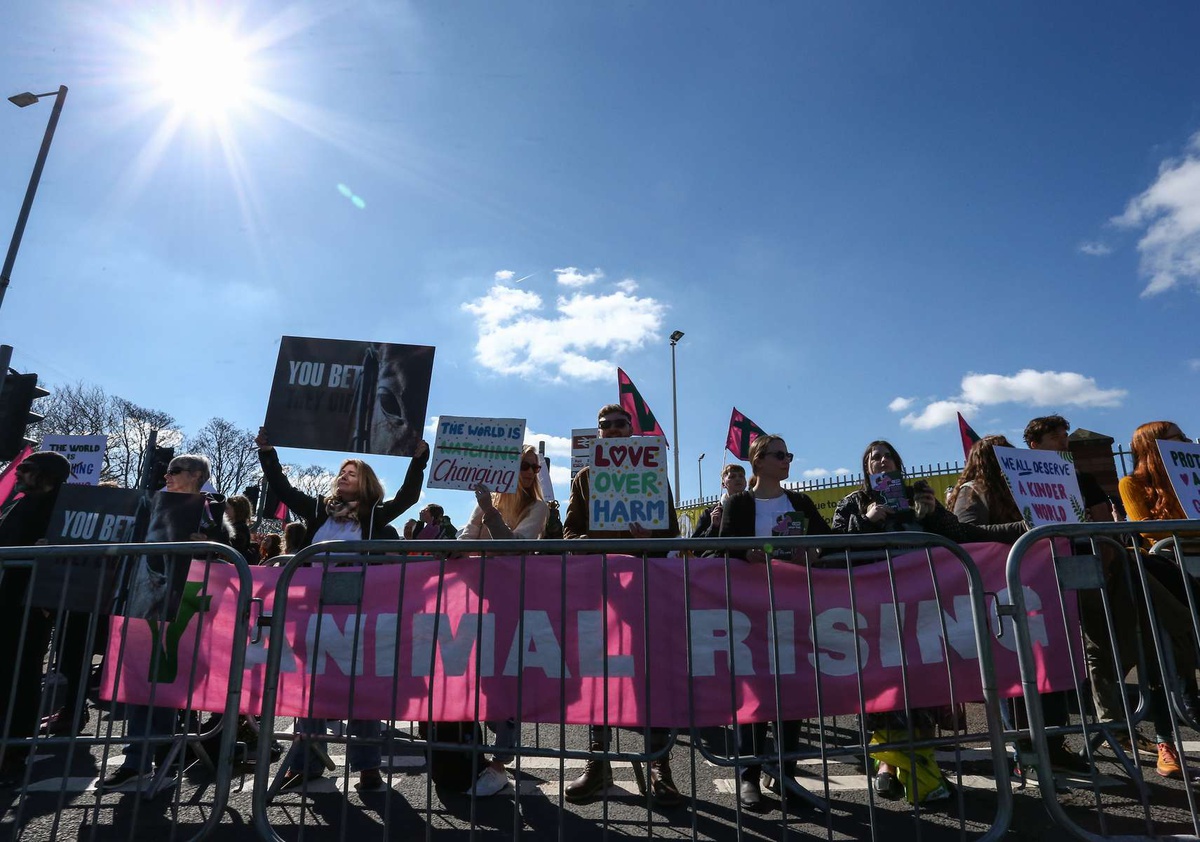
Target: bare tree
(312, 480)
(233, 454)
(77, 409)
(127, 441)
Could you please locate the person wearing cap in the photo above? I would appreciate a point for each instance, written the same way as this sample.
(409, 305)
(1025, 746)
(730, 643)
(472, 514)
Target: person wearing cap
(25, 630)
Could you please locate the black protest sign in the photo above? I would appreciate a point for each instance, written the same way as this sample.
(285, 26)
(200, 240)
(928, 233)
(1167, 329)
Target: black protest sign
(349, 396)
(84, 514)
(156, 582)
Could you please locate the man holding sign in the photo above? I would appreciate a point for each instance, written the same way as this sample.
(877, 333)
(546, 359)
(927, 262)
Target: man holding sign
(613, 422)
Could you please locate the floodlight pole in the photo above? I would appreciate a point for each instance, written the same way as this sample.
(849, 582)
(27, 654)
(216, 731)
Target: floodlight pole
(21, 100)
(675, 337)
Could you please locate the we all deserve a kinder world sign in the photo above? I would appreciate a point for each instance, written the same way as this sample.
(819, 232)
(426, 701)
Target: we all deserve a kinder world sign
(439, 630)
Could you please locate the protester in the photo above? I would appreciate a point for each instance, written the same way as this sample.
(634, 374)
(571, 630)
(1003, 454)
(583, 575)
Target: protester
(294, 537)
(733, 481)
(519, 514)
(239, 512)
(756, 513)
(435, 526)
(981, 497)
(23, 522)
(353, 510)
(186, 474)
(271, 548)
(867, 511)
(614, 422)
(1147, 495)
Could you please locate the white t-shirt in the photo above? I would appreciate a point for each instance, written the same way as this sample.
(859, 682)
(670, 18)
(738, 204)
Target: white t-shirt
(767, 513)
(338, 530)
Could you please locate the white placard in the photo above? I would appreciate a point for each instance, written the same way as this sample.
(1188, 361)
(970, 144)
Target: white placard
(1043, 483)
(468, 451)
(1182, 461)
(628, 483)
(85, 453)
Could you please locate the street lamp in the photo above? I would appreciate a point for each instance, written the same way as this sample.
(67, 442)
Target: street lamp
(22, 100)
(700, 475)
(675, 337)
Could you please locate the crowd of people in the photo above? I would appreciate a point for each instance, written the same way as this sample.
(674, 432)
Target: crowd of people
(979, 508)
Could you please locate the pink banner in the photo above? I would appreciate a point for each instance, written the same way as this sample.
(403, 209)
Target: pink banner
(551, 652)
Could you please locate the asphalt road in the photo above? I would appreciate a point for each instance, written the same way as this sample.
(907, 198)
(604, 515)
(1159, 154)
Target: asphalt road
(60, 801)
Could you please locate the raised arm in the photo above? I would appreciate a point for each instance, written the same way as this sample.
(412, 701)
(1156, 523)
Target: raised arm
(293, 498)
(410, 491)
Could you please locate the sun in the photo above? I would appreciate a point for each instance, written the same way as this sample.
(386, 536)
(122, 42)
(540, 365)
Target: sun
(203, 70)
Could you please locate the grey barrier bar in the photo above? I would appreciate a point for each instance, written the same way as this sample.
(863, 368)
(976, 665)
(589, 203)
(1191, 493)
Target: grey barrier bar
(39, 809)
(830, 744)
(1112, 566)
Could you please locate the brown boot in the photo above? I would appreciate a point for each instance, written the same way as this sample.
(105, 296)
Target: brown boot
(662, 785)
(596, 778)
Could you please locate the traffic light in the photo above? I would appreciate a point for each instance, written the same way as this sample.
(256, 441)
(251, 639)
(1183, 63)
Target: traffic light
(16, 412)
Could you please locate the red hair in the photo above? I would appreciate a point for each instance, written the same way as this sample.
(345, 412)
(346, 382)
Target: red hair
(1150, 472)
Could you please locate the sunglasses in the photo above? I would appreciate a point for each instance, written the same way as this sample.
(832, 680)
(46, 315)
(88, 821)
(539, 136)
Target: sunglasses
(618, 424)
(781, 455)
(178, 470)
(531, 466)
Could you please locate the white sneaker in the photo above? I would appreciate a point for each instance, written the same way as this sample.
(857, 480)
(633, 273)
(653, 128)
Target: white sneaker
(490, 781)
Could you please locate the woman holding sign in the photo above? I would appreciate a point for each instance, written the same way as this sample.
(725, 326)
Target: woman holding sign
(901, 507)
(519, 514)
(759, 512)
(353, 510)
(1147, 493)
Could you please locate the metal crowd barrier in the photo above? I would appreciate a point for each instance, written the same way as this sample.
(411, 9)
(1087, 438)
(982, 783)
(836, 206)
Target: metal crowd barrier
(61, 735)
(1138, 637)
(343, 585)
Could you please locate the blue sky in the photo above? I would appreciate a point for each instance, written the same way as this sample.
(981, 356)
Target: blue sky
(862, 215)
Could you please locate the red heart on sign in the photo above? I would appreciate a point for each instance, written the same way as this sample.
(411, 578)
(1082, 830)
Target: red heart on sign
(617, 454)
(1184, 477)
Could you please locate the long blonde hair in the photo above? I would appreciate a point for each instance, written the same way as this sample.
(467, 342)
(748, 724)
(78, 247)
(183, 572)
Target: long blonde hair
(513, 505)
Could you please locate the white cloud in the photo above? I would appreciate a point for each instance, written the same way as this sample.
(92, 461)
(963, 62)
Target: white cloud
(937, 414)
(817, 473)
(557, 447)
(1095, 248)
(570, 277)
(1038, 388)
(1169, 211)
(901, 404)
(1027, 387)
(505, 275)
(516, 338)
(627, 285)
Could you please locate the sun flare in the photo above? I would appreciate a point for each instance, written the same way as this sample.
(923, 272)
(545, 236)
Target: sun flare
(204, 71)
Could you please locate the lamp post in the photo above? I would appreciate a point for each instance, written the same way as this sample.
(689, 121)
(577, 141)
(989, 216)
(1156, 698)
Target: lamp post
(22, 100)
(700, 475)
(675, 337)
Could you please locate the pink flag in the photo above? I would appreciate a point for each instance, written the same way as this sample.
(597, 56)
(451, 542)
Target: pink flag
(8, 479)
(644, 422)
(969, 436)
(742, 431)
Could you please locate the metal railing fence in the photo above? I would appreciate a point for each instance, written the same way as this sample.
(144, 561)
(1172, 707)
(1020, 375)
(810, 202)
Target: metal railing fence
(65, 594)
